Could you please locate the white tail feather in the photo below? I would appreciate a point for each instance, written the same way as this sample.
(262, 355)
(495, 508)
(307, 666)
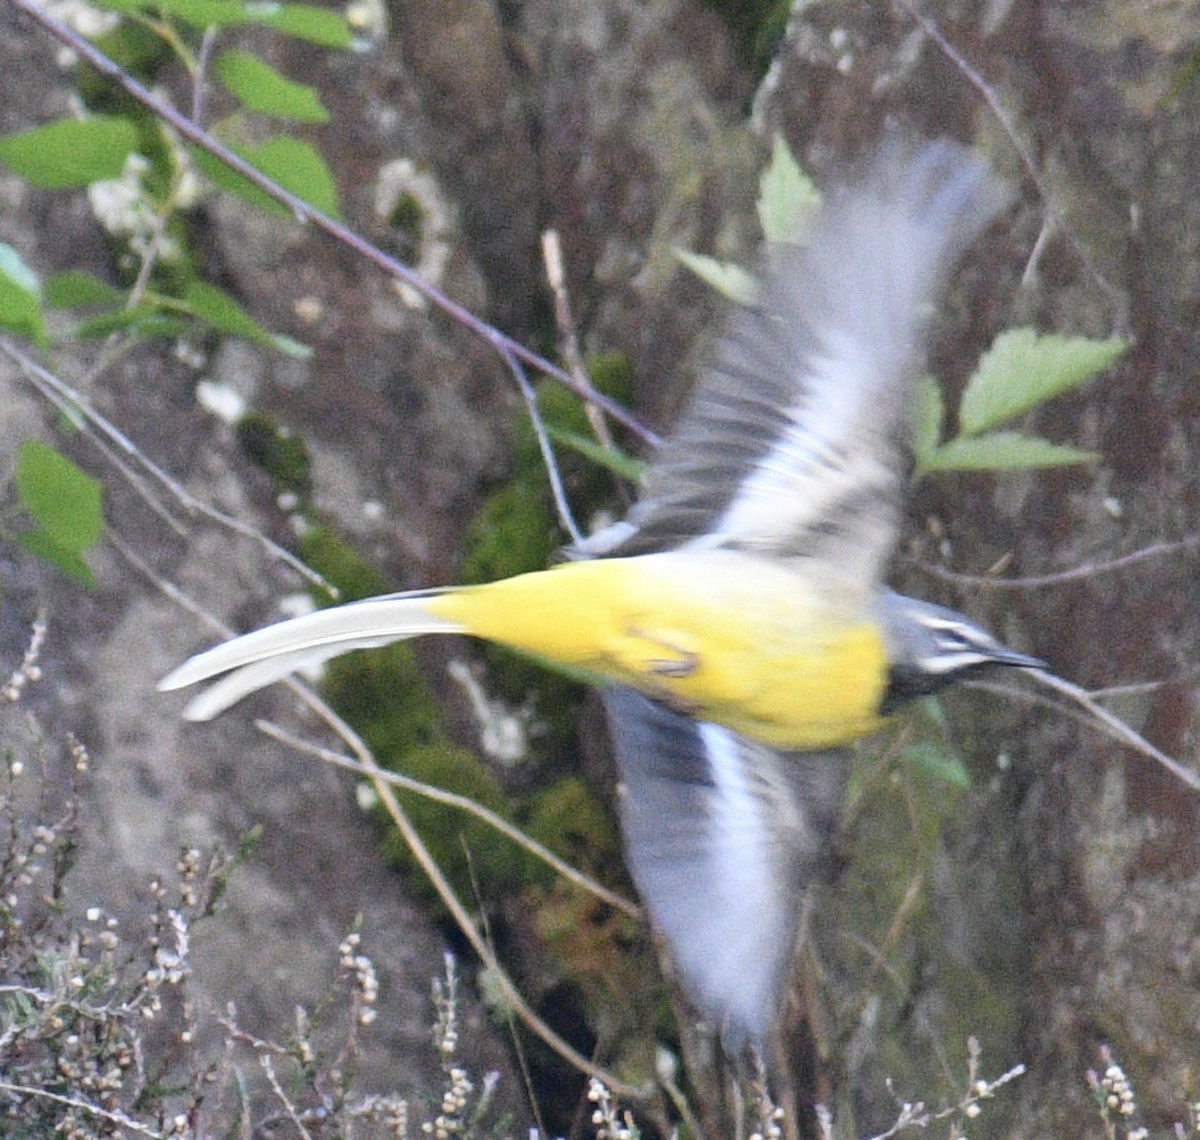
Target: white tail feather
(257, 659)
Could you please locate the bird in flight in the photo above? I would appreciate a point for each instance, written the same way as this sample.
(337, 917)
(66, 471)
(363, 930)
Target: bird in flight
(736, 621)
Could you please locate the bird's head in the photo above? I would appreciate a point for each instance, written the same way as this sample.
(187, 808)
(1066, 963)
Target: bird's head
(930, 647)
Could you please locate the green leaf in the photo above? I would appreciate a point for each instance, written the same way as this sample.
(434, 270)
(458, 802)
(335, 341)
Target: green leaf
(304, 21)
(77, 290)
(218, 309)
(70, 152)
(145, 320)
(63, 558)
(38, 543)
(1003, 451)
(788, 200)
(165, 316)
(612, 460)
(261, 88)
(225, 179)
(929, 414)
(1023, 369)
(64, 501)
(939, 764)
(20, 297)
(730, 280)
(295, 165)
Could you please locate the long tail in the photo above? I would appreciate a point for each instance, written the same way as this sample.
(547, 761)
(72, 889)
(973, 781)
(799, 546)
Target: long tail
(257, 659)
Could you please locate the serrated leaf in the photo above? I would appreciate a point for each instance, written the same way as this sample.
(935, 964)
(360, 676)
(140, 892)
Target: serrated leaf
(1003, 451)
(929, 413)
(64, 501)
(729, 280)
(1023, 369)
(218, 309)
(261, 88)
(20, 297)
(295, 165)
(304, 21)
(70, 153)
(788, 200)
(77, 290)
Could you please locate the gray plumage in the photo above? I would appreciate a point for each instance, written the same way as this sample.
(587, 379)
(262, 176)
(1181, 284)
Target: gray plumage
(794, 443)
(724, 838)
(794, 446)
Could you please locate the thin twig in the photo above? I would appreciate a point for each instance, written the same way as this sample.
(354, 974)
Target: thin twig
(507, 348)
(1060, 577)
(568, 337)
(450, 900)
(1056, 216)
(118, 1118)
(561, 505)
(264, 1059)
(1140, 688)
(1118, 729)
(200, 78)
(180, 597)
(70, 402)
(463, 803)
(1092, 715)
(63, 396)
(568, 343)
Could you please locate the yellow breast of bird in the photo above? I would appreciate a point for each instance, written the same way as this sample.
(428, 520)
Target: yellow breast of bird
(725, 636)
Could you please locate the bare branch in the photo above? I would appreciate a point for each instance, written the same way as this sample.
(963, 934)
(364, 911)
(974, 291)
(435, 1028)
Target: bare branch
(505, 347)
(463, 803)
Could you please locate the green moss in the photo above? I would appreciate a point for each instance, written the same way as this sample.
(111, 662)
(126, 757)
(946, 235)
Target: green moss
(385, 697)
(479, 862)
(757, 27)
(513, 532)
(284, 457)
(407, 220)
(612, 373)
(340, 564)
(568, 819)
(604, 953)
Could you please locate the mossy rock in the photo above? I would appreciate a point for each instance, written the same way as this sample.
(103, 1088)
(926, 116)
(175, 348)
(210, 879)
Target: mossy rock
(480, 863)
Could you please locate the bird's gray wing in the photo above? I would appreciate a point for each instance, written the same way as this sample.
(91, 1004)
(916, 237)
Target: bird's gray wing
(724, 837)
(795, 440)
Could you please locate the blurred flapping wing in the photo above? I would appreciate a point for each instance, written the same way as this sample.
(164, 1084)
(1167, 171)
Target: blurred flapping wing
(794, 444)
(724, 837)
